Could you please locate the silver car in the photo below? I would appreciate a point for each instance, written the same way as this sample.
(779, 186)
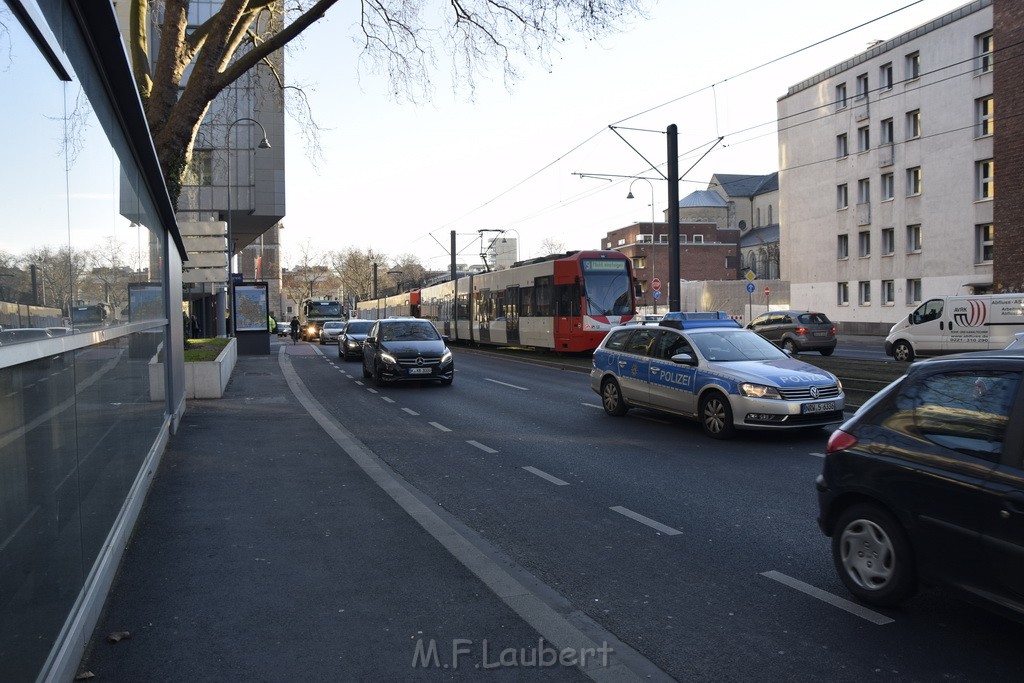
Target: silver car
(329, 332)
(714, 371)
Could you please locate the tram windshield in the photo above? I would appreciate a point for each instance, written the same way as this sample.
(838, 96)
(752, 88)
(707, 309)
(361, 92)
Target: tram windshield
(608, 286)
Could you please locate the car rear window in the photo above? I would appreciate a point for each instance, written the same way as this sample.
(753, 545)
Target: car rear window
(814, 319)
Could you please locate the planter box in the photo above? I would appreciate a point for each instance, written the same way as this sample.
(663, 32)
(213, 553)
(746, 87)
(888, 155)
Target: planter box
(203, 379)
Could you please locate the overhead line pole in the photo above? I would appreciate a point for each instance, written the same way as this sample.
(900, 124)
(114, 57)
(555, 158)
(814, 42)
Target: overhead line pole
(672, 169)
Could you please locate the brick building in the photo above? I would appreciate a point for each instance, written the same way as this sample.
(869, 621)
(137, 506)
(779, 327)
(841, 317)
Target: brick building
(1008, 254)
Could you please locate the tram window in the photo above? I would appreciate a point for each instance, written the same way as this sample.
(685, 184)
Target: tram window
(567, 301)
(526, 297)
(543, 293)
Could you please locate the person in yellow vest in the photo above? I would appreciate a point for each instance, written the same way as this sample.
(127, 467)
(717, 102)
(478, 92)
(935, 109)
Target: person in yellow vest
(272, 323)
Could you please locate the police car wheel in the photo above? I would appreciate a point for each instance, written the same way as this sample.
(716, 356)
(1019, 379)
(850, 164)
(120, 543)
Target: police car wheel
(611, 398)
(716, 416)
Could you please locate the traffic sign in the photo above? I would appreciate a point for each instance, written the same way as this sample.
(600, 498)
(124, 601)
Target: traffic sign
(767, 291)
(656, 284)
(751, 275)
(750, 288)
(657, 295)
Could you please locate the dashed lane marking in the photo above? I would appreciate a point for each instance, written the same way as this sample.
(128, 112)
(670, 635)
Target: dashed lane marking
(834, 600)
(506, 384)
(439, 426)
(387, 399)
(411, 411)
(657, 526)
(372, 391)
(544, 475)
(485, 449)
(817, 455)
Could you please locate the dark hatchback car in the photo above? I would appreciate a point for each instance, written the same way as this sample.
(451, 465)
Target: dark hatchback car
(403, 349)
(926, 483)
(351, 337)
(797, 331)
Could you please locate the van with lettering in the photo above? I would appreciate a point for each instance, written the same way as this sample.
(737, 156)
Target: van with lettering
(956, 324)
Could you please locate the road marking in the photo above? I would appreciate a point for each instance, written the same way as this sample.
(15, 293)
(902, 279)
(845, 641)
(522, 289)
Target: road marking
(506, 384)
(834, 600)
(817, 455)
(439, 426)
(386, 399)
(359, 383)
(485, 449)
(658, 526)
(372, 391)
(410, 411)
(544, 475)
(591, 405)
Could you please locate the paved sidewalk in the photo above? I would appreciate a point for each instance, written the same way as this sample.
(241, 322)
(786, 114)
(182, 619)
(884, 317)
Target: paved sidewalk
(265, 552)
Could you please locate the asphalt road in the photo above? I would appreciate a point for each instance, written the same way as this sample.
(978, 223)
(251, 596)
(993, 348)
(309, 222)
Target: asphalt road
(703, 556)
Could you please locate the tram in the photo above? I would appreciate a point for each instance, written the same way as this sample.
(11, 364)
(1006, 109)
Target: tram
(565, 302)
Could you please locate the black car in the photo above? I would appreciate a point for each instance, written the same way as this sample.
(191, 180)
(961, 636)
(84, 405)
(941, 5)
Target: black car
(351, 337)
(797, 331)
(401, 349)
(926, 482)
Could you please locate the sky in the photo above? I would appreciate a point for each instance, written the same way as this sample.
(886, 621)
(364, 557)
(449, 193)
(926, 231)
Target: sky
(397, 177)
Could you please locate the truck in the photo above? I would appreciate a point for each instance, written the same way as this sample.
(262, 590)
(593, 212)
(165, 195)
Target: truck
(313, 313)
(955, 324)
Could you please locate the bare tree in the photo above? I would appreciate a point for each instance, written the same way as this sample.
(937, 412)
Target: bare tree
(311, 273)
(59, 273)
(354, 269)
(550, 245)
(111, 272)
(400, 39)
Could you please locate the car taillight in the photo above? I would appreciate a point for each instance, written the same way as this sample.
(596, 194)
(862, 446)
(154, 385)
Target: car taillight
(801, 331)
(833, 329)
(840, 441)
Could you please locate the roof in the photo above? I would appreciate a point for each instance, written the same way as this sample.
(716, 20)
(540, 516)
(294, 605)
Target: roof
(703, 199)
(764, 234)
(747, 185)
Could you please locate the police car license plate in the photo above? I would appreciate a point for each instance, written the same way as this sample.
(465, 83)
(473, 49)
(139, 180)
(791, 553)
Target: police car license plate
(419, 371)
(826, 407)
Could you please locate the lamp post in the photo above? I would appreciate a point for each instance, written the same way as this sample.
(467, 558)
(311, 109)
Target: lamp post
(263, 144)
(630, 196)
(518, 240)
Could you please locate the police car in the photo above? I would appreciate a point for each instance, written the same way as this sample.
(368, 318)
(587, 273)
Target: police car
(706, 367)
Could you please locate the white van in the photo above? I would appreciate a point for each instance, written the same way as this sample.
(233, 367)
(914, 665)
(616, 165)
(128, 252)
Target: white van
(954, 324)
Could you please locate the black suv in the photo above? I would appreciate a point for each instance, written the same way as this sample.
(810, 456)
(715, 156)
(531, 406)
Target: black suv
(926, 482)
(399, 349)
(797, 331)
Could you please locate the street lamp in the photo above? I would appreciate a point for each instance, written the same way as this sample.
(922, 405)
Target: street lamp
(264, 144)
(518, 240)
(630, 196)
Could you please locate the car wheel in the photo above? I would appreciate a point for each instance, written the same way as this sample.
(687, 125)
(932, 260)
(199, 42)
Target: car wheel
(716, 416)
(903, 351)
(873, 556)
(789, 345)
(611, 398)
(827, 352)
(377, 376)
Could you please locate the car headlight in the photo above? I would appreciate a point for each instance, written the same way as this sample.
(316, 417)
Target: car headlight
(446, 357)
(759, 391)
(311, 329)
(388, 358)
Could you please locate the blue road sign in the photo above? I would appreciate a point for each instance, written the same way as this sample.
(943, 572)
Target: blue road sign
(657, 294)
(750, 288)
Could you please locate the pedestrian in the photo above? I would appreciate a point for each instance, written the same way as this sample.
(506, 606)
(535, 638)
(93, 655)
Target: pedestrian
(272, 323)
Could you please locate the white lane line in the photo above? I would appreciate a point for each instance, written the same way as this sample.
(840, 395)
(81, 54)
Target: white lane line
(372, 391)
(439, 426)
(410, 411)
(834, 600)
(817, 455)
(387, 400)
(658, 526)
(591, 405)
(359, 383)
(485, 449)
(506, 384)
(544, 475)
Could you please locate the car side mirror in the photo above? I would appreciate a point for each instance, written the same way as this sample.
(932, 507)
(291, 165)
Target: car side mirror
(371, 340)
(444, 338)
(684, 359)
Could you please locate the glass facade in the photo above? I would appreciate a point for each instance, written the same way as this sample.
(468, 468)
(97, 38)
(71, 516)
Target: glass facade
(83, 315)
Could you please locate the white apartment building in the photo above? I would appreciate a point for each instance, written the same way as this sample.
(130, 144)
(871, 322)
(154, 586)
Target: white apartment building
(887, 176)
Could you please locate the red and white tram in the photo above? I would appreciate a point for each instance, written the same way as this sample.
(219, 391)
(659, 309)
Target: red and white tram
(564, 303)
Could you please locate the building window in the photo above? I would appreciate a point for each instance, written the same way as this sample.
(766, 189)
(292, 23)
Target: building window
(985, 46)
(622, 240)
(914, 291)
(913, 124)
(888, 292)
(842, 197)
(200, 169)
(757, 214)
(639, 262)
(913, 66)
(843, 247)
(841, 96)
(885, 76)
(864, 293)
(914, 181)
(698, 239)
(864, 244)
(914, 239)
(843, 293)
(986, 171)
(862, 86)
(986, 234)
(770, 215)
(985, 116)
(888, 186)
(888, 241)
(864, 191)
(842, 148)
(863, 139)
(887, 132)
